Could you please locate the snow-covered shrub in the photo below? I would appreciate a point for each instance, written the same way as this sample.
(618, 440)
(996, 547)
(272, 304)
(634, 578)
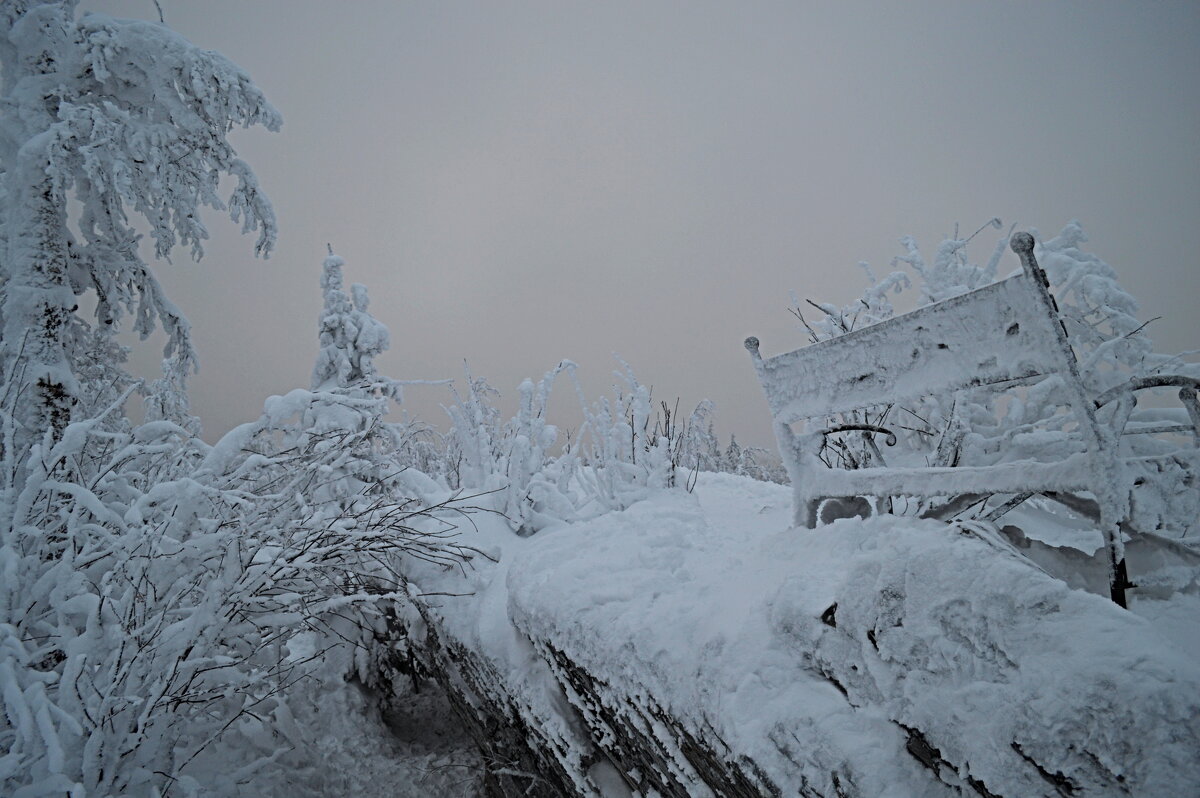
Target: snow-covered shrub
(625, 448)
(617, 456)
(422, 448)
(538, 490)
(696, 445)
(152, 587)
(120, 658)
(473, 441)
(693, 442)
(514, 461)
(624, 457)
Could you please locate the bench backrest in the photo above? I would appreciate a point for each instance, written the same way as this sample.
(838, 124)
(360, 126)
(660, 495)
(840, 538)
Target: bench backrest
(1000, 334)
(996, 334)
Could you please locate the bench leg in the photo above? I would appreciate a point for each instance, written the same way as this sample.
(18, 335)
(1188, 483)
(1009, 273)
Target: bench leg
(1119, 580)
(811, 508)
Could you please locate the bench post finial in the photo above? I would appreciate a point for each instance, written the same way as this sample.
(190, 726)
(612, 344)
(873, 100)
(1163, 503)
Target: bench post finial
(1022, 244)
(751, 345)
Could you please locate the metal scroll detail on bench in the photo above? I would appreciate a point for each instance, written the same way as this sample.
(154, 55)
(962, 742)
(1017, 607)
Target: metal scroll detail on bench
(1004, 334)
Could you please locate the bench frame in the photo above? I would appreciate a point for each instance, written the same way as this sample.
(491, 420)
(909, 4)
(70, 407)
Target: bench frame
(1002, 335)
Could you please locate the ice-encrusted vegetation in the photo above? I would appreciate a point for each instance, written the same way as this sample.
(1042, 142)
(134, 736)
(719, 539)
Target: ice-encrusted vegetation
(327, 601)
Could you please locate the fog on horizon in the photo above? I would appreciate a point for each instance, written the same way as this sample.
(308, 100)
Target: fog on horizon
(523, 182)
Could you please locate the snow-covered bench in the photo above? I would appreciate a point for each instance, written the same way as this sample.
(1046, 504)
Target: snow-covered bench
(1004, 334)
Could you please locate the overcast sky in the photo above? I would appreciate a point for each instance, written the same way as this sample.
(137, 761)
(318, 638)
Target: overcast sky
(523, 182)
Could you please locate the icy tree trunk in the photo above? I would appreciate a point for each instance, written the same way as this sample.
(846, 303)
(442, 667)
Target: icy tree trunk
(38, 302)
(599, 735)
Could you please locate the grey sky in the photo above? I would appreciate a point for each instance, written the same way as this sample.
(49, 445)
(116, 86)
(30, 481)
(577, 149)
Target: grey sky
(522, 182)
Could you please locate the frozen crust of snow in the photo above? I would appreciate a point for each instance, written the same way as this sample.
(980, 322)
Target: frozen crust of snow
(815, 652)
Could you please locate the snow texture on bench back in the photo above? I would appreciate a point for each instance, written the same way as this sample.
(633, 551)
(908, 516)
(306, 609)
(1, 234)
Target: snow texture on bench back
(995, 334)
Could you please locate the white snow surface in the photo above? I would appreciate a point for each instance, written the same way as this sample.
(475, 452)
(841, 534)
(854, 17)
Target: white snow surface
(710, 604)
(408, 747)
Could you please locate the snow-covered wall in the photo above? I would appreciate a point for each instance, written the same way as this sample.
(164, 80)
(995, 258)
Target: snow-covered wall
(885, 657)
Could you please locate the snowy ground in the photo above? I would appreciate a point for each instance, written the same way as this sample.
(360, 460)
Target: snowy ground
(410, 752)
(711, 604)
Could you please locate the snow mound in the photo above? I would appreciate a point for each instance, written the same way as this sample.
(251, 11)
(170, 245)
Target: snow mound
(893, 656)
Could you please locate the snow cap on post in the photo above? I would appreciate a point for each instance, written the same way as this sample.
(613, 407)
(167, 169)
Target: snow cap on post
(751, 345)
(1022, 243)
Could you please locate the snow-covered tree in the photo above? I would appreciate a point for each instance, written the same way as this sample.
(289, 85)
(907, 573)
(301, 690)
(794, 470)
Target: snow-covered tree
(515, 461)
(337, 430)
(132, 639)
(350, 337)
(126, 122)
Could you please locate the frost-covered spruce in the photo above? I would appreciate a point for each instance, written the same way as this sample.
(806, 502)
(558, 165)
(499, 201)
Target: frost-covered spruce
(345, 408)
(128, 120)
(350, 337)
